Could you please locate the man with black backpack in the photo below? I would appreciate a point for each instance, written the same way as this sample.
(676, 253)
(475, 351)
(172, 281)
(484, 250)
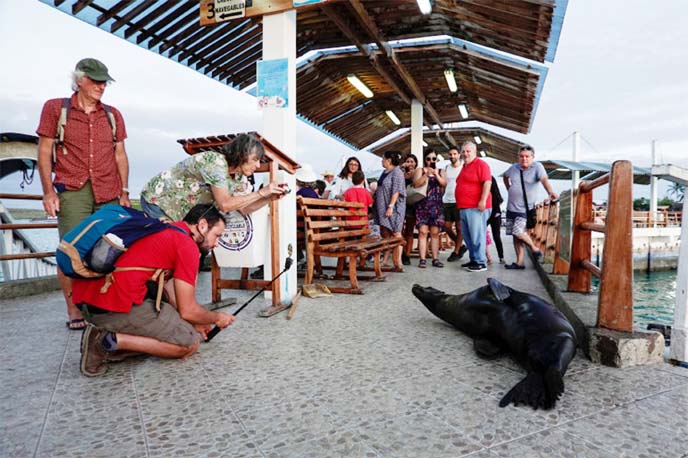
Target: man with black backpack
(81, 141)
(121, 309)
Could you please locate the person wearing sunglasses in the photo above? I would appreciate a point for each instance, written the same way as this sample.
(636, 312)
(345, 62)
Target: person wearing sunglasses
(430, 211)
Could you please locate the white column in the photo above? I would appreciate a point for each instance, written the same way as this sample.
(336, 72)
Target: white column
(279, 127)
(417, 130)
(575, 175)
(679, 331)
(653, 187)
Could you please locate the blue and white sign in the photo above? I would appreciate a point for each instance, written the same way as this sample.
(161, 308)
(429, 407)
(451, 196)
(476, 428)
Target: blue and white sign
(272, 79)
(305, 2)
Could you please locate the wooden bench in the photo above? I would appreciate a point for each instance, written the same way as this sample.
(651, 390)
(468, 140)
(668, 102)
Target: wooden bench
(329, 232)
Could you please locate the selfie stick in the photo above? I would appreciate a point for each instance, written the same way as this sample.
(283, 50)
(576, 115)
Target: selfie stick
(213, 332)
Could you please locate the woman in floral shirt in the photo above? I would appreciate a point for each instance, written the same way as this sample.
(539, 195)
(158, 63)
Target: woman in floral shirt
(207, 177)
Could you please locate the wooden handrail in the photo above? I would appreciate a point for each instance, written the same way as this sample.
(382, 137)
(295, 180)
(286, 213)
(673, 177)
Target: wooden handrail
(10, 226)
(12, 257)
(615, 303)
(21, 196)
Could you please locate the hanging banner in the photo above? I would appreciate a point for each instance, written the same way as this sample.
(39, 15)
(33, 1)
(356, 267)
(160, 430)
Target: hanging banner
(272, 79)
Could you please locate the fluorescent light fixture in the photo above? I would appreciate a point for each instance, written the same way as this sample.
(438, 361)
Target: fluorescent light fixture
(483, 153)
(451, 81)
(463, 109)
(358, 84)
(477, 139)
(424, 6)
(393, 117)
(425, 143)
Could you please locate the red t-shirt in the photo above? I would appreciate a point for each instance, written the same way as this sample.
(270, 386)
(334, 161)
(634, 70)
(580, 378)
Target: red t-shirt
(361, 195)
(168, 249)
(469, 184)
(90, 150)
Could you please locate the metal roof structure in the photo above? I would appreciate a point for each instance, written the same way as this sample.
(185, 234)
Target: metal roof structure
(494, 145)
(18, 153)
(485, 43)
(562, 170)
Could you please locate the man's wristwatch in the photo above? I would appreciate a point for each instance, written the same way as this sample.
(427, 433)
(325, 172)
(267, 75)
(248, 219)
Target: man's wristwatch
(125, 190)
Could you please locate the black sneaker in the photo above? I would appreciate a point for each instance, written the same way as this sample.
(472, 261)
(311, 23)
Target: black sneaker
(476, 267)
(466, 264)
(405, 260)
(462, 251)
(453, 257)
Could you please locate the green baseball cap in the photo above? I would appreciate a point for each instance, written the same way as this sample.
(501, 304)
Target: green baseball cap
(94, 69)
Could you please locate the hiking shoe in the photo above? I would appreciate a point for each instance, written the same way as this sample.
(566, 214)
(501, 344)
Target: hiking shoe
(462, 251)
(514, 266)
(405, 260)
(453, 257)
(119, 355)
(476, 267)
(93, 355)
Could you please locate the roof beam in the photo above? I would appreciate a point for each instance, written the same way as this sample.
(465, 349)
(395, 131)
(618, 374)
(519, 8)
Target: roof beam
(366, 21)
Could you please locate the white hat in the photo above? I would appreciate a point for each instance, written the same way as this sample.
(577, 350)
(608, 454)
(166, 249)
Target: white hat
(305, 174)
(328, 173)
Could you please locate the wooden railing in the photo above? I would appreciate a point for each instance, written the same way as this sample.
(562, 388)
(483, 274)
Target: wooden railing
(661, 218)
(10, 257)
(615, 303)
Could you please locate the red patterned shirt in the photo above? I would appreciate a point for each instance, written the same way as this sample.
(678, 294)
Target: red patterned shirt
(90, 150)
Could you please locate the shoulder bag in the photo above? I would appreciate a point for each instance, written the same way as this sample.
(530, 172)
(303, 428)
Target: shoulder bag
(531, 214)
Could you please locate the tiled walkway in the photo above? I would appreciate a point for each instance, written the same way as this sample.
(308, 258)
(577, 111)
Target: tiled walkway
(349, 376)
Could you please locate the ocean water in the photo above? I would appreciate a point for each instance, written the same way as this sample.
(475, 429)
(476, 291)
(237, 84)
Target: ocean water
(654, 297)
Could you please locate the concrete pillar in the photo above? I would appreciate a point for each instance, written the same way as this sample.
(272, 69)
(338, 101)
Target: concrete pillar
(417, 131)
(653, 187)
(279, 127)
(679, 331)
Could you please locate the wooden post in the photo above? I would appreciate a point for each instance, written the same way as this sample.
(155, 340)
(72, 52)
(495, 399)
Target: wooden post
(615, 308)
(579, 277)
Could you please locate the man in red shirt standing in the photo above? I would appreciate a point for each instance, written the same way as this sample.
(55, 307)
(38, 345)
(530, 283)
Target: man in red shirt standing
(90, 163)
(123, 317)
(475, 202)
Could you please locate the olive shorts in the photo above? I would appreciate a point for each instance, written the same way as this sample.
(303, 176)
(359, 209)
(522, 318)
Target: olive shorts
(144, 320)
(75, 206)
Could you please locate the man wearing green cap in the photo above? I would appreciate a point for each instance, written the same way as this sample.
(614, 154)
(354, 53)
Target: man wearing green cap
(81, 142)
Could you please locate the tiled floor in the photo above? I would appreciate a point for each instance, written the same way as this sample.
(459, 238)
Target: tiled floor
(349, 376)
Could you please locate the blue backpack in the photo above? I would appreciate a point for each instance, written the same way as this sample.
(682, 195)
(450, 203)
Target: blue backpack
(91, 248)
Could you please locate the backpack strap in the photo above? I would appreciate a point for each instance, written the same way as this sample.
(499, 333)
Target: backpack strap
(62, 122)
(158, 275)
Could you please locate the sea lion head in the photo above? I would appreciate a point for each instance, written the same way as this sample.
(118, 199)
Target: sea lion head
(428, 295)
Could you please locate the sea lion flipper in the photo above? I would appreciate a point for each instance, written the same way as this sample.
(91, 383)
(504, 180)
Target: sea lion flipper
(499, 289)
(486, 349)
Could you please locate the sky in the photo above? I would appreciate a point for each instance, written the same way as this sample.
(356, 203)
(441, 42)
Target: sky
(619, 78)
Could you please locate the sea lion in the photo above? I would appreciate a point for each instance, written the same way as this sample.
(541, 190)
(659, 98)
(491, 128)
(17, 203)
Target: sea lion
(501, 319)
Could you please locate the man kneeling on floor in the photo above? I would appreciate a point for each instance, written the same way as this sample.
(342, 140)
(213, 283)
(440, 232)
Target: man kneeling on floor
(123, 320)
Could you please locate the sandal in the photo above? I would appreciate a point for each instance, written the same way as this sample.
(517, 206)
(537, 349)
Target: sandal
(76, 324)
(437, 263)
(514, 266)
(422, 263)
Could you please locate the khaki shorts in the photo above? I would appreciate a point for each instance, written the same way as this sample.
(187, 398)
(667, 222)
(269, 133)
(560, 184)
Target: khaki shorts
(144, 321)
(75, 206)
(451, 213)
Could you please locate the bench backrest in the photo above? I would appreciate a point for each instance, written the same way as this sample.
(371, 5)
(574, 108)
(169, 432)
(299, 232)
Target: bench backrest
(327, 221)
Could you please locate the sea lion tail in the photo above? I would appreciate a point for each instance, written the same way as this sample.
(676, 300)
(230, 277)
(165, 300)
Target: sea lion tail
(536, 390)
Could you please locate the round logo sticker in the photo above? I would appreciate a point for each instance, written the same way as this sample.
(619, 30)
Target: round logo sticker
(238, 232)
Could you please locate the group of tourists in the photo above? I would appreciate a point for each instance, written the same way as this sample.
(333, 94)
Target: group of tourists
(83, 166)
